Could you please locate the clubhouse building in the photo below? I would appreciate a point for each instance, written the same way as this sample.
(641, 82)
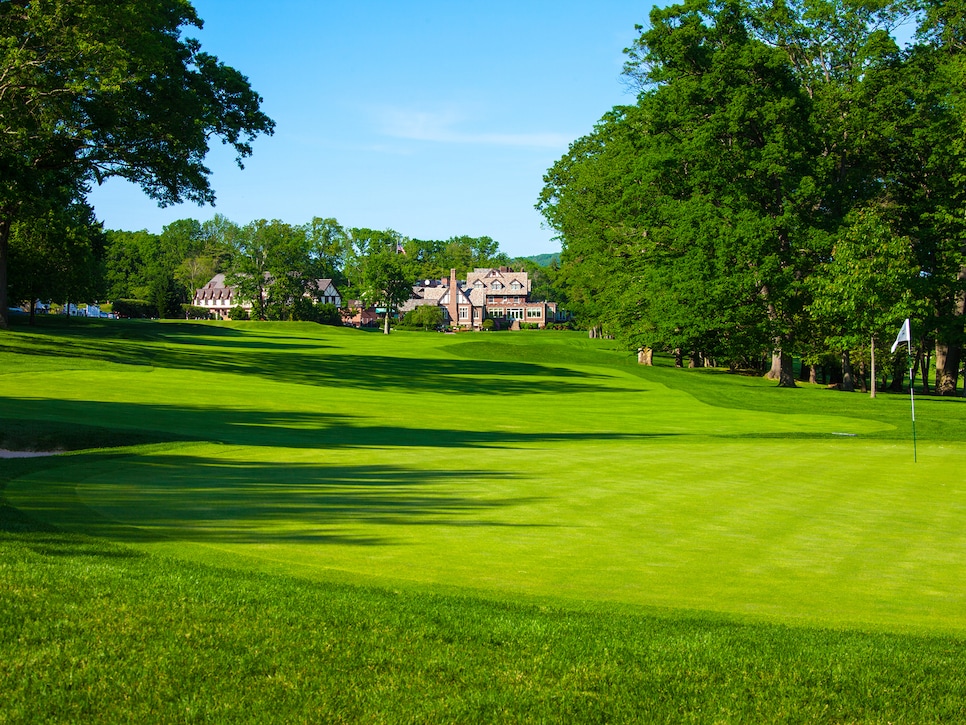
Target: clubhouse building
(498, 293)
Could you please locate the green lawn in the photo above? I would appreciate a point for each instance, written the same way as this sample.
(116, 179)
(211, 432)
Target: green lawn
(685, 540)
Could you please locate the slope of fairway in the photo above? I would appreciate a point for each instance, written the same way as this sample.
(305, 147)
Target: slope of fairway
(531, 465)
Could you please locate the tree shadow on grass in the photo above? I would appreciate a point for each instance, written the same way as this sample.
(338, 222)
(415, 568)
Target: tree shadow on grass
(125, 424)
(177, 497)
(309, 361)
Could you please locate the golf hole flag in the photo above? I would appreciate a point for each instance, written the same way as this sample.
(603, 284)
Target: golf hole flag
(903, 336)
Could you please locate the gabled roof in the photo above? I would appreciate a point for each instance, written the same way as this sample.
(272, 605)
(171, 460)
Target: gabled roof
(217, 281)
(323, 284)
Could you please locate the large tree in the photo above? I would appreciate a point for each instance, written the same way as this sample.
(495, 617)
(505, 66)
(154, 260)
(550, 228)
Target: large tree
(869, 284)
(690, 208)
(386, 278)
(91, 89)
(57, 256)
(927, 146)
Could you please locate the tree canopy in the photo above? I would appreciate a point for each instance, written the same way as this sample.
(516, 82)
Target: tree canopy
(90, 90)
(780, 156)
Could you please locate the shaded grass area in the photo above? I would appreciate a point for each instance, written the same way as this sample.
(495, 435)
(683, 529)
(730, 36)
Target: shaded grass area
(941, 419)
(281, 354)
(46, 434)
(47, 424)
(937, 418)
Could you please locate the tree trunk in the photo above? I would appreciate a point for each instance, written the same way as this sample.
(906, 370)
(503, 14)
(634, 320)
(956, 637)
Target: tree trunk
(645, 356)
(848, 384)
(947, 368)
(872, 371)
(862, 373)
(695, 360)
(678, 358)
(924, 364)
(385, 321)
(898, 374)
(949, 354)
(812, 375)
(6, 219)
(782, 370)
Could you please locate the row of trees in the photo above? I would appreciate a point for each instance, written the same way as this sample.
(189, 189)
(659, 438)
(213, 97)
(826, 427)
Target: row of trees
(65, 256)
(789, 182)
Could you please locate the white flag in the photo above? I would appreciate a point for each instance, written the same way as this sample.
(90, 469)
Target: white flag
(903, 336)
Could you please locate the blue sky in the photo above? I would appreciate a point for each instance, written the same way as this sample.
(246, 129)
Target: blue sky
(432, 118)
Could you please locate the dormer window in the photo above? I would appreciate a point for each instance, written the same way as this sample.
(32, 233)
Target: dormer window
(516, 285)
(497, 285)
(478, 284)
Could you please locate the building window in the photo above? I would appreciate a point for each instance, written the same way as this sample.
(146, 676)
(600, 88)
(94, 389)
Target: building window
(464, 313)
(515, 313)
(478, 284)
(534, 312)
(497, 285)
(496, 312)
(515, 285)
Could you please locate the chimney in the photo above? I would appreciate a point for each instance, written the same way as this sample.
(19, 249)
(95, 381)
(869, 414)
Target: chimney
(453, 306)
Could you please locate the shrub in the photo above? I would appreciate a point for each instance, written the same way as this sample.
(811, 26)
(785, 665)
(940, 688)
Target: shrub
(487, 324)
(302, 310)
(135, 309)
(194, 313)
(238, 313)
(424, 317)
(327, 314)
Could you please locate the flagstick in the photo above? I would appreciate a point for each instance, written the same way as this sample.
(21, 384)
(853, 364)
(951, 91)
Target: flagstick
(912, 402)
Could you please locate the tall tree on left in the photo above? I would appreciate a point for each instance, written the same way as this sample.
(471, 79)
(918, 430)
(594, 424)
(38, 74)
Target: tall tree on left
(92, 89)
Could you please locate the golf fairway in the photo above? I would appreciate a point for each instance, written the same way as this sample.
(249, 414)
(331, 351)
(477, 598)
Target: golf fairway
(540, 469)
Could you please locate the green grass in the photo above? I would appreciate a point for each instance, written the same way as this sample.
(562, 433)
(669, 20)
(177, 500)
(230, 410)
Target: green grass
(294, 522)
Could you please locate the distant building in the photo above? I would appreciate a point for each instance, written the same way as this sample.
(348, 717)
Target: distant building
(218, 297)
(357, 314)
(495, 292)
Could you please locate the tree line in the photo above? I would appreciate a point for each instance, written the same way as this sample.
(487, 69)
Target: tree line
(789, 182)
(276, 264)
(66, 256)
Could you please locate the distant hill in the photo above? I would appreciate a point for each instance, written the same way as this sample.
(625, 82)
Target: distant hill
(544, 260)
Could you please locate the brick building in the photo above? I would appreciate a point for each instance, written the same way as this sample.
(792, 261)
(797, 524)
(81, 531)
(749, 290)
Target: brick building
(495, 292)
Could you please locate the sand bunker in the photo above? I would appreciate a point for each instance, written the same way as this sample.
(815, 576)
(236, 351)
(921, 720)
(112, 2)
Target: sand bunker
(4, 453)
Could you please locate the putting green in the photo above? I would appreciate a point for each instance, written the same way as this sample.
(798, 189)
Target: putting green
(559, 480)
(822, 535)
